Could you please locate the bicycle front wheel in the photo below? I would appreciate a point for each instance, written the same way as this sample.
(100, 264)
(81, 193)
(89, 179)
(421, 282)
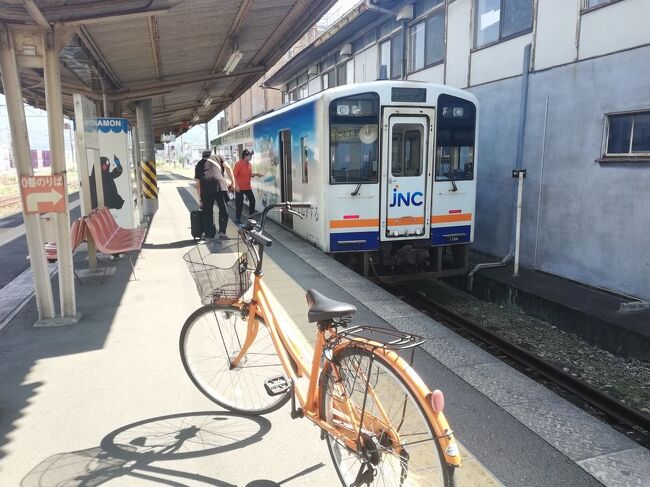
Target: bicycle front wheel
(210, 338)
(388, 412)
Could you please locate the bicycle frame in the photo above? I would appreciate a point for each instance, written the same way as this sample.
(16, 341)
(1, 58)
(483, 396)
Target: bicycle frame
(304, 375)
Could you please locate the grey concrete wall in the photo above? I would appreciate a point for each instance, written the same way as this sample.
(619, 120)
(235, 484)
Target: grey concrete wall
(594, 219)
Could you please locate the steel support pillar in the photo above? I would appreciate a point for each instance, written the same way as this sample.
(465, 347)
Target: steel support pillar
(54, 106)
(147, 156)
(22, 159)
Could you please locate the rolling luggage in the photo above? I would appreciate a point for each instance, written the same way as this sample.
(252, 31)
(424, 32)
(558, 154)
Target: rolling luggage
(196, 224)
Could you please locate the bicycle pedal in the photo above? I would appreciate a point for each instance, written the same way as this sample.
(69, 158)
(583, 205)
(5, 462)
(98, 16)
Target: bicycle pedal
(276, 385)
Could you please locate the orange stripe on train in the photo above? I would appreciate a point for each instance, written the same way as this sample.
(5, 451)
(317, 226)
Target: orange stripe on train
(403, 221)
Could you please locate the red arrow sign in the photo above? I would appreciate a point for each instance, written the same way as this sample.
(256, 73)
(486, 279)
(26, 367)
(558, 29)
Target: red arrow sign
(43, 194)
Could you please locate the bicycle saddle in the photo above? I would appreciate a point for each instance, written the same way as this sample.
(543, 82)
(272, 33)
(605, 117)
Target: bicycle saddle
(322, 308)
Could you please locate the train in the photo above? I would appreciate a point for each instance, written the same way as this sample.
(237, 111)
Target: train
(389, 167)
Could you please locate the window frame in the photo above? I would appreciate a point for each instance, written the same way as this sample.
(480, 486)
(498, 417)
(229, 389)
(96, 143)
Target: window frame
(329, 138)
(440, 9)
(501, 38)
(622, 156)
(584, 6)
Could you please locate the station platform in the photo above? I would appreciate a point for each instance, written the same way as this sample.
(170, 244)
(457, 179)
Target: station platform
(106, 401)
(586, 311)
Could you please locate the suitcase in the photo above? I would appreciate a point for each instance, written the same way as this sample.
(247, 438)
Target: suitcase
(196, 224)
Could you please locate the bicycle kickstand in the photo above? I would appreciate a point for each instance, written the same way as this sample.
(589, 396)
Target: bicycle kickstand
(296, 412)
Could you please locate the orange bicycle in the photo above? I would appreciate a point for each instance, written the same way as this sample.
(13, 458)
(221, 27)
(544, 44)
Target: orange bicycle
(382, 424)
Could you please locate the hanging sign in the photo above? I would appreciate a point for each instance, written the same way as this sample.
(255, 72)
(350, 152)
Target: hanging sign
(43, 194)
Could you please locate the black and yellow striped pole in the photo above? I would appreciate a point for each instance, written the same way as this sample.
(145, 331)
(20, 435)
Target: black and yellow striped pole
(149, 180)
(148, 157)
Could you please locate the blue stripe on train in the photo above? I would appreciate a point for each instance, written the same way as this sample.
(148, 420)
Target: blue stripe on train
(451, 235)
(353, 241)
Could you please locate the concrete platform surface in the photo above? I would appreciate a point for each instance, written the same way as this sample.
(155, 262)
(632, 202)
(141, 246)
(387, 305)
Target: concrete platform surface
(107, 402)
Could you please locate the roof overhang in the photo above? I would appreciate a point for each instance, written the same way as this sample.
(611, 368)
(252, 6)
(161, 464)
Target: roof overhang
(347, 26)
(172, 51)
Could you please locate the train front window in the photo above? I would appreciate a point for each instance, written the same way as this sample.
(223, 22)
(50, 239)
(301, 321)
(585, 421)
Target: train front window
(406, 150)
(354, 139)
(455, 141)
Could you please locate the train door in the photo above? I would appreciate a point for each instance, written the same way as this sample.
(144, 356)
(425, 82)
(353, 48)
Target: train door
(407, 169)
(286, 169)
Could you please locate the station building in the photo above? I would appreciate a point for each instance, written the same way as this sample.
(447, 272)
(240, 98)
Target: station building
(564, 92)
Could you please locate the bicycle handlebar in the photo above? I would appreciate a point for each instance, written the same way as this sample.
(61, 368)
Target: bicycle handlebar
(257, 235)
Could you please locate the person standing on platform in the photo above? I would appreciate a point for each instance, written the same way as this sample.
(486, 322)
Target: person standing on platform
(243, 174)
(214, 179)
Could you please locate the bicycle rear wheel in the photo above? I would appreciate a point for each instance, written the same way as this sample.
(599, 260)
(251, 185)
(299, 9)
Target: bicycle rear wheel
(371, 387)
(212, 336)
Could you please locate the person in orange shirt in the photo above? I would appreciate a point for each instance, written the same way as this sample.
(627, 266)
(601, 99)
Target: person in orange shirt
(243, 172)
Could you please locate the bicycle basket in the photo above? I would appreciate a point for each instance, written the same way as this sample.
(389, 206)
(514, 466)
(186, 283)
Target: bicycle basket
(221, 273)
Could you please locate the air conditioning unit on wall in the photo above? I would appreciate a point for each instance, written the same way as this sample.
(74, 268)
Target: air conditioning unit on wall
(346, 49)
(312, 70)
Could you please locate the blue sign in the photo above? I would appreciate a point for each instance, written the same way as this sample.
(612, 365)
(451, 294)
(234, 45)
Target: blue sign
(115, 125)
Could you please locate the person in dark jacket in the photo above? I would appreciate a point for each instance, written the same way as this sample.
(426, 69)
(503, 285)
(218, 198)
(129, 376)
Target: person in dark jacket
(213, 178)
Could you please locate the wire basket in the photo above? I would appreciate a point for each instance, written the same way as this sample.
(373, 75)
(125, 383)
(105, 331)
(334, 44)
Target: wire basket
(220, 272)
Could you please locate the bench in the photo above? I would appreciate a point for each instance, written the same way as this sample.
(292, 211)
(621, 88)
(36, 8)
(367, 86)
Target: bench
(77, 236)
(110, 238)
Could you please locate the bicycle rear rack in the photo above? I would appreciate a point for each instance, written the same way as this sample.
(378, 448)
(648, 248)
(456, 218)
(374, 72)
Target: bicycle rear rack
(385, 338)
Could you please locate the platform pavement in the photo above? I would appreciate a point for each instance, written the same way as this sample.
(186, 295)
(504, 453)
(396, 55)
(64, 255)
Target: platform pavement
(103, 401)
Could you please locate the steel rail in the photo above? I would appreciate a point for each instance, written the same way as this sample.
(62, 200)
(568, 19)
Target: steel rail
(596, 398)
(9, 200)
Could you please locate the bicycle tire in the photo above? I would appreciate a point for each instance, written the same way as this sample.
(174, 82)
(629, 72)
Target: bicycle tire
(425, 465)
(217, 332)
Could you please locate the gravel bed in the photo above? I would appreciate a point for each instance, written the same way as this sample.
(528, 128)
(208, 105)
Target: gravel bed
(628, 380)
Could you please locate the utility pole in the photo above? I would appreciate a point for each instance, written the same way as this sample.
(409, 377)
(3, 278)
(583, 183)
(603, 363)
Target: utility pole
(207, 139)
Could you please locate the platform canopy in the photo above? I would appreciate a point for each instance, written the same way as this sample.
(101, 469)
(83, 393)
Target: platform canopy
(191, 57)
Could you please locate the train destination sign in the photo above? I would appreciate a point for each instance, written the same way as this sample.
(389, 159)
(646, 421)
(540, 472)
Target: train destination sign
(43, 194)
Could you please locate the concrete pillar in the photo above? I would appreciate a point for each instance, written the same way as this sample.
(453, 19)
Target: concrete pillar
(147, 156)
(22, 159)
(54, 107)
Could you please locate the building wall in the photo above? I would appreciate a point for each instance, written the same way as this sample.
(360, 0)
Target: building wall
(582, 219)
(592, 220)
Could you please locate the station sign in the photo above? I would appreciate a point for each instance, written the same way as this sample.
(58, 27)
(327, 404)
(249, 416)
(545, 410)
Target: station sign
(43, 194)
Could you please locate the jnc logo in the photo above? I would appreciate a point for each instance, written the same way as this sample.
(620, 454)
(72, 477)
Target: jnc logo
(407, 199)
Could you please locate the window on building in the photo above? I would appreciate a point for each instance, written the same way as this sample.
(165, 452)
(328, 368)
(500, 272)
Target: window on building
(364, 41)
(388, 27)
(341, 75)
(396, 57)
(331, 78)
(628, 134)
(423, 6)
(349, 76)
(596, 3)
(498, 20)
(303, 91)
(427, 40)
(326, 81)
(384, 58)
(354, 139)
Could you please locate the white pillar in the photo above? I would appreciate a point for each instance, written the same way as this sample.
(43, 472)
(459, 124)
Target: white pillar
(23, 161)
(520, 192)
(54, 107)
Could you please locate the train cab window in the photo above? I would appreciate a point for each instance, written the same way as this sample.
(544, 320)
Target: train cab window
(406, 150)
(455, 141)
(354, 139)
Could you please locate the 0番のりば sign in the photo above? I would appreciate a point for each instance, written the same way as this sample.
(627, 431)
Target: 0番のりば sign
(43, 194)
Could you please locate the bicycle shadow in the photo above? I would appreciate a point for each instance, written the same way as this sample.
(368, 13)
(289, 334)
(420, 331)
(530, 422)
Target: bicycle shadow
(129, 451)
(271, 483)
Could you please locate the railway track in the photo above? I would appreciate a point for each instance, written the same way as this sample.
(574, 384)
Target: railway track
(9, 200)
(620, 413)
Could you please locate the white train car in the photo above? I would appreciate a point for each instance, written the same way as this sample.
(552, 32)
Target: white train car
(389, 166)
